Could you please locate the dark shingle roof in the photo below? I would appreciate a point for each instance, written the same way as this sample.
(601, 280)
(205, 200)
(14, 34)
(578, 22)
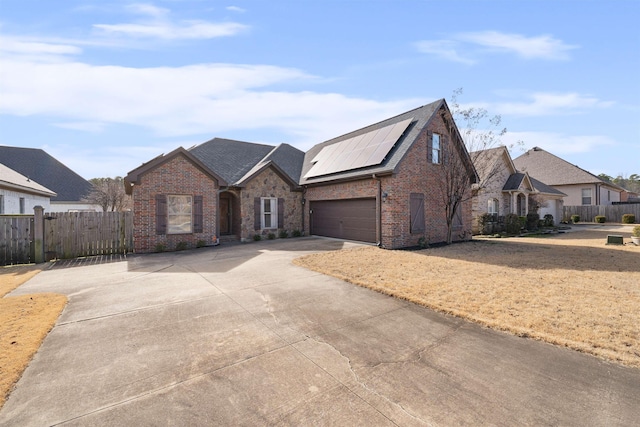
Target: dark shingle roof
(288, 158)
(230, 159)
(16, 181)
(236, 161)
(421, 117)
(514, 181)
(544, 188)
(39, 166)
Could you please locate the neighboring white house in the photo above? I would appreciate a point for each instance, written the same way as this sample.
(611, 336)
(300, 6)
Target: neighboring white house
(19, 194)
(580, 186)
(70, 189)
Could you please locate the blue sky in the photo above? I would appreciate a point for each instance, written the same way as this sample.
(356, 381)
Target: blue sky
(104, 86)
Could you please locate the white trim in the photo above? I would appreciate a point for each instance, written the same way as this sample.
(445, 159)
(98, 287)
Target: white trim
(271, 214)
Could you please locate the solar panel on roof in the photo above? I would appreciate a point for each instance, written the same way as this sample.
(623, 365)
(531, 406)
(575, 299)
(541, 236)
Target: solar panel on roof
(367, 149)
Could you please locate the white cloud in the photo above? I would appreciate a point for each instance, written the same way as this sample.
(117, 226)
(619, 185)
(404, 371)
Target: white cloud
(537, 47)
(559, 143)
(157, 23)
(542, 104)
(542, 47)
(236, 9)
(94, 127)
(445, 49)
(181, 101)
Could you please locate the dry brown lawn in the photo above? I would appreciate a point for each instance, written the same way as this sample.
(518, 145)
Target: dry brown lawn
(24, 323)
(570, 289)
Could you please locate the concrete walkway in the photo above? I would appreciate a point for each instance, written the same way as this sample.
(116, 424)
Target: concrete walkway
(237, 335)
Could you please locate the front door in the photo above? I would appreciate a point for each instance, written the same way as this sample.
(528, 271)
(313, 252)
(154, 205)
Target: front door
(225, 215)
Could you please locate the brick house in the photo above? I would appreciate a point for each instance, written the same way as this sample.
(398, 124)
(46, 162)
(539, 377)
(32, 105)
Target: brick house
(394, 198)
(222, 189)
(504, 189)
(379, 184)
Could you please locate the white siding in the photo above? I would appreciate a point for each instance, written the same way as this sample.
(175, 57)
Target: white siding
(11, 202)
(74, 207)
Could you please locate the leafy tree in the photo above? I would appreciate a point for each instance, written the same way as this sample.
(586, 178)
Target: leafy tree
(631, 183)
(109, 194)
(480, 132)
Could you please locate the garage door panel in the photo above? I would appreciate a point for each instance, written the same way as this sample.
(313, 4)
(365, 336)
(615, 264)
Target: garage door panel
(345, 219)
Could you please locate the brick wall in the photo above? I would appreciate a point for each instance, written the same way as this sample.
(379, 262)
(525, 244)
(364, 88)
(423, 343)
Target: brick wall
(269, 184)
(492, 190)
(415, 175)
(176, 176)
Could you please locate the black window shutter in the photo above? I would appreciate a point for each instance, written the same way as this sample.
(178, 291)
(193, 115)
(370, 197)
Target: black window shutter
(429, 146)
(280, 212)
(161, 214)
(197, 214)
(256, 213)
(443, 148)
(417, 212)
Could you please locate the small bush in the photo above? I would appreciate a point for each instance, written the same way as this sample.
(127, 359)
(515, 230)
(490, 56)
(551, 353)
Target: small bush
(523, 221)
(296, 233)
(181, 246)
(532, 221)
(628, 219)
(283, 234)
(257, 237)
(548, 220)
(422, 243)
(575, 219)
(512, 224)
(160, 247)
(201, 244)
(271, 236)
(636, 231)
(600, 219)
(485, 223)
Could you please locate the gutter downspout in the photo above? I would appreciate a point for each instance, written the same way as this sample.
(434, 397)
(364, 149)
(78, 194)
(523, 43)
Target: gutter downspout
(304, 209)
(378, 211)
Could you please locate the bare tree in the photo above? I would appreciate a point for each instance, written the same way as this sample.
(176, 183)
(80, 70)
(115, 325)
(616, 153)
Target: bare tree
(109, 194)
(465, 174)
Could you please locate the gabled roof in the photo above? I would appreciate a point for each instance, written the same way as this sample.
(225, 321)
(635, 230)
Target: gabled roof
(543, 188)
(556, 171)
(230, 159)
(133, 177)
(39, 166)
(284, 159)
(516, 180)
(420, 119)
(232, 163)
(485, 161)
(18, 182)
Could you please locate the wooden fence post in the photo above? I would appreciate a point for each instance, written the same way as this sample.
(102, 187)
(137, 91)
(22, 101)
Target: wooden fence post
(38, 234)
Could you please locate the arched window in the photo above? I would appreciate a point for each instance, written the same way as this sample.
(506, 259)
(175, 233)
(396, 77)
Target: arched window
(492, 207)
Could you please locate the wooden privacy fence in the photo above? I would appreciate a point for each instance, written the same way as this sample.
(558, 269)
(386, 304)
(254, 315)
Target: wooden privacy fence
(612, 213)
(43, 237)
(76, 234)
(16, 235)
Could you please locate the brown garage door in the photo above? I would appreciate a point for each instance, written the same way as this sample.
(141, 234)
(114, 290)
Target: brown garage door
(345, 219)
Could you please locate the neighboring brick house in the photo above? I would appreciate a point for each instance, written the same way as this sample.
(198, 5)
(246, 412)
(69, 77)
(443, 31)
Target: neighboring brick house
(580, 186)
(379, 184)
(394, 197)
(219, 189)
(504, 190)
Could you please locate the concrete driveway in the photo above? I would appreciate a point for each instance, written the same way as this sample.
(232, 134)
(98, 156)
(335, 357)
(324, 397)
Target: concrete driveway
(237, 335)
